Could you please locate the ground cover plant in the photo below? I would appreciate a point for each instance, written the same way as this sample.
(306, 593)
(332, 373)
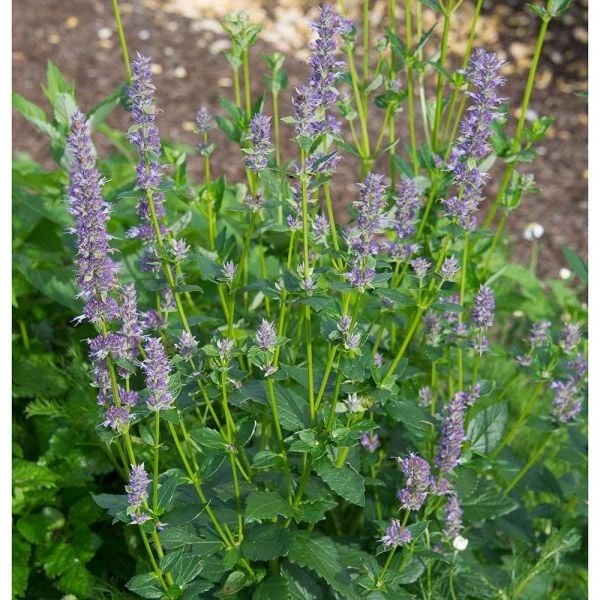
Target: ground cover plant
(267, 404)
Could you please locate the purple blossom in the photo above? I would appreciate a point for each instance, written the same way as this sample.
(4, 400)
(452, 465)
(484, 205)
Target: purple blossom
(229, 270)
(483, 75)
(360, 278)
(567, 404)
(420, 266)
(137, 490)
(145, 136)
(569, 337)
(266, 337)
(179, 249)
(580, 368)
(396, 535)
(320, 229)
(157, 369)
(152, 320)
(484, 304)
(425, 396)
(186, 345)
(370, 442)
(97, 271)
(254, 202)
(116, 417)
(224, 349)
(260, 144)
(480, 343)
(417, 473)
(539, 333)
(131, 328)
(432, 328)
(450, 268)
(453, 434)
(129, 398)
(407, 207)
(377, 359)
(203, 120)
(452, 517)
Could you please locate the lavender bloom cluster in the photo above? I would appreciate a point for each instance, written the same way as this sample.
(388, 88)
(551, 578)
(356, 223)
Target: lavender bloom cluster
(157, 369)
(453, 434)
(144, 135)
(97, 271)
(312, 102)
(417, 473)
(452, 517)
(483, 73)
(396, 535)
(360, 237)
(137, 493)
(260, 144)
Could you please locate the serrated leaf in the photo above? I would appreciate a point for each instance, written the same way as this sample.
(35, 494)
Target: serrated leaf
(488, 505)
(486, 429)
(266, 542)
(266, 505)
(146, 586)
(344, 481)
(577, 263)
(319, 554)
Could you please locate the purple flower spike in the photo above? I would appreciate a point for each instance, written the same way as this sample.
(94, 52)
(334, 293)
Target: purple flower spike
(186, 345)
(266, 337)
(453, 434)
(569, 337)
(203, 120)
(117, 417)
(567, 403)
(131, 328)
(97, 271)
(452, 517)
(370, 442)
(157, 369)
(484, 304)
(539, 334)
(395, 535)
(261, 147)
(137, 490)
(417, 473)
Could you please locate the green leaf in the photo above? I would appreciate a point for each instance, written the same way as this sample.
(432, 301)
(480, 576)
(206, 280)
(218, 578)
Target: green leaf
(559, 7)
(487, 505)
(577, 263)
(146, 586)
(292, 409)
(35, 115)
(272, 588)
(486, 429)
(21, 551)
(266, 505)
(64, 108)
(175, 537)
(115, 505)
(182, 564)
(344, 481)
(266, 542)
(103, 109)
(319, 554)
(208, 438)
(167, 485)
(56, 84)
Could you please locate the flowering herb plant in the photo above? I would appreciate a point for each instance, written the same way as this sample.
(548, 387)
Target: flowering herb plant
(301, 409)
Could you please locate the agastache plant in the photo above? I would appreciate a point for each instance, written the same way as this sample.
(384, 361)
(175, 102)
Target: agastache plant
(288, 393)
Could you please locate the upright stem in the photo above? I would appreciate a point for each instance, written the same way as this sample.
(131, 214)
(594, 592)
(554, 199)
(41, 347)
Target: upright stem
(156, 449)
(519, 422)
(410, 88)
(463, 282)
(524, 105)
(440, 79)
(530, 463)
(122, 39)
(247, 83)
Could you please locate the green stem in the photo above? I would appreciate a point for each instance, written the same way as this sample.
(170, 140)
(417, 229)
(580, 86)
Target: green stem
(440, 79)
(409, 334)
(524, 105)
(156, 449)
(530, 463)
(519, 422)
(463, 283)
(410, 89)
(122, 39)
(460, 77)
(494, 242)
(247, 83)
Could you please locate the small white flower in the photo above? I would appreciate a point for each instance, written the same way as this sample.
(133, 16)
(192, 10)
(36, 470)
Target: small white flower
(460, 543)
(565, 273)
(533, 231)
(518, 313)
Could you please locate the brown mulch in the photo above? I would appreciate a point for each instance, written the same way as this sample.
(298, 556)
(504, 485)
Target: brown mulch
(184, 39)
